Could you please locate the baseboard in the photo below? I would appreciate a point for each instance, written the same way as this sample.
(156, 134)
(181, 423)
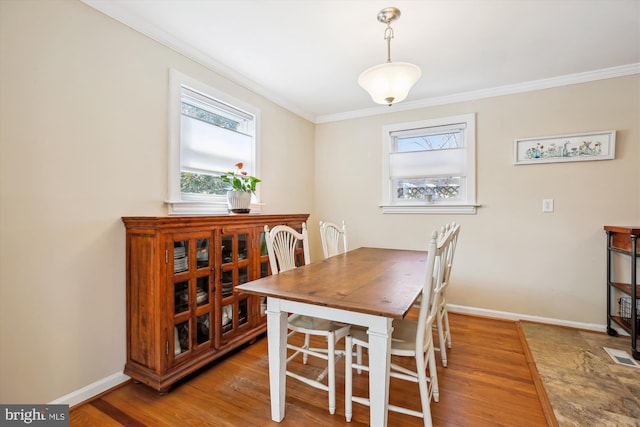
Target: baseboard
(92, 390)
(517, 316)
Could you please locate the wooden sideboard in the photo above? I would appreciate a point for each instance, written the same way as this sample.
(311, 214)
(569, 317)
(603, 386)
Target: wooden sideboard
(183, 310)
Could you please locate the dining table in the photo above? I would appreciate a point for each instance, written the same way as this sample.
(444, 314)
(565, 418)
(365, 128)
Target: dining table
(369, 287)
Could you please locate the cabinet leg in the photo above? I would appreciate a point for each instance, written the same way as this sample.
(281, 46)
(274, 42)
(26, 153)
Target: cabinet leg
(612, 332)
(636, 354)
(164, 390)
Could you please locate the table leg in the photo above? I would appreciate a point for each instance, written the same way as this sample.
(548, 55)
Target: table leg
(379, 365)
(277, 343)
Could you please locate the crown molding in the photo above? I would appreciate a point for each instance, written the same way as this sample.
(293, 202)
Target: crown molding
(139, 24)
(589, 76)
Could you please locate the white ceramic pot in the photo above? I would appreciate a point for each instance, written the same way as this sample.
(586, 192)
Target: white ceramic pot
(239, 201)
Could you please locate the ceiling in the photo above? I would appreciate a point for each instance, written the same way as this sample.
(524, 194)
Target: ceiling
(306, 55)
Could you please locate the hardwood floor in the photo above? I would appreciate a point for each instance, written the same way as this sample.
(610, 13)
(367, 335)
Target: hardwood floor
(487, 383)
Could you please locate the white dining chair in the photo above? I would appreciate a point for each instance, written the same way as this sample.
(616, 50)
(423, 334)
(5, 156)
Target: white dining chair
(442, 318)
(333, 238)
(410, 338)
(283, 246)
(334, 242)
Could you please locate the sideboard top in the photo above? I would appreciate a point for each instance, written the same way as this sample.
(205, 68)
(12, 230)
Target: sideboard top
(208, 220)
(623, 229)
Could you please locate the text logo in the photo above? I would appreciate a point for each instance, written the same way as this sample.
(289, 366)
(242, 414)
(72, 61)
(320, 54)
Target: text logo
(35, 415)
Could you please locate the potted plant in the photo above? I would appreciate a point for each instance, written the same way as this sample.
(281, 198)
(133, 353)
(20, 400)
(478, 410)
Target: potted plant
(242, 185)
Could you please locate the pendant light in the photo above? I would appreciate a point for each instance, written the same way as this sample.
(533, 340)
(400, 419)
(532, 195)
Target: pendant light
(389, 83)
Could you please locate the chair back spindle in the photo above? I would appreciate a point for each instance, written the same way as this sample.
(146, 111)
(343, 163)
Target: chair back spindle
(332, 236)
(450, 232)
(283, 246)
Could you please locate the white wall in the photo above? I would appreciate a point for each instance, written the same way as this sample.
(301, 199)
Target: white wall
(511, 257)
(83, 142)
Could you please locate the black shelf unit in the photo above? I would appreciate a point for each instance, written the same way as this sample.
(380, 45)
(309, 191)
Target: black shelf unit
(623, 240)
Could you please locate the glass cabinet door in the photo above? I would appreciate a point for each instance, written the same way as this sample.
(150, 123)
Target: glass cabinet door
(235, 265)
(189, 262)
(181, 300)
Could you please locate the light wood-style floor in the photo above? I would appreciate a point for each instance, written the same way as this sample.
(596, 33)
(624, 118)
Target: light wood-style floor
(487, 383)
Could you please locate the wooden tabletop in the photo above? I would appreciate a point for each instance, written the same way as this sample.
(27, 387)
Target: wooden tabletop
(383, 282)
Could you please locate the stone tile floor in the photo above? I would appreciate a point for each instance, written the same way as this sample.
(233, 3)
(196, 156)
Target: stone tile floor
(584, 386)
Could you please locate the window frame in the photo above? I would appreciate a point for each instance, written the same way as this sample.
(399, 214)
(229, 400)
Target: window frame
(201, 204)
(468, 206)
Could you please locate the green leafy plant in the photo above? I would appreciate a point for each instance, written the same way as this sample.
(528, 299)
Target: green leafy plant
(240, 180)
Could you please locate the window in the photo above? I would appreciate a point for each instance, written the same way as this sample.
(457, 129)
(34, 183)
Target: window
(429, 166)
(209, 133)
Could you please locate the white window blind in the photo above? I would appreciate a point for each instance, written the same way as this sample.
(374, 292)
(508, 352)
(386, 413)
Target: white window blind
(209, 148)
(429, 166)
(210, 132)
(427, 163)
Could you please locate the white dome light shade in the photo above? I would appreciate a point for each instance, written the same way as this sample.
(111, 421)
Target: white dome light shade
(389, 83)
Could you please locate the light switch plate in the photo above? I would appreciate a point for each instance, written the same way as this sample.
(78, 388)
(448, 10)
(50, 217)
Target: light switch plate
(547, 205)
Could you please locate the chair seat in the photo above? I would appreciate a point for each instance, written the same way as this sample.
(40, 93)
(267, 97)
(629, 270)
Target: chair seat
(403, 337)
(359, 333)
(314, 324)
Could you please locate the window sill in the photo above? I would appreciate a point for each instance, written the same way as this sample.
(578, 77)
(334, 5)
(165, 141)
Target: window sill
(435, 208)
(191, 207)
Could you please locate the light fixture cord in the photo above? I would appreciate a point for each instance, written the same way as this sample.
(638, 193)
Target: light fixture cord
(388, 35)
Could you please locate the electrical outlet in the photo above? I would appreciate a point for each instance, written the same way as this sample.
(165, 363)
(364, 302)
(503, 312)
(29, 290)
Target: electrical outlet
(547, 205)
